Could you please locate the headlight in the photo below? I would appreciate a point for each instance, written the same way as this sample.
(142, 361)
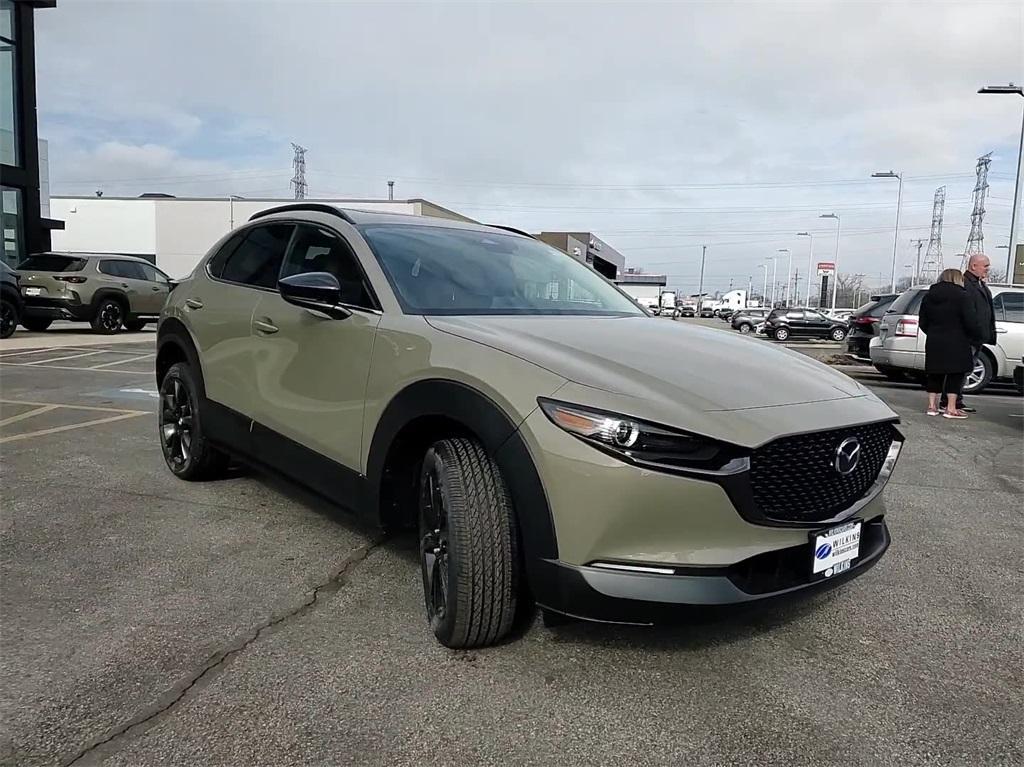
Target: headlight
(645, 443)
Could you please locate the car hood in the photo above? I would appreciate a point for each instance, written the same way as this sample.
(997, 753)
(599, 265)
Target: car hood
(659, 360)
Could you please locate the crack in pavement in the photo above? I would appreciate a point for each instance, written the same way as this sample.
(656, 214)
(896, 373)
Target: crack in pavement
(177, 693)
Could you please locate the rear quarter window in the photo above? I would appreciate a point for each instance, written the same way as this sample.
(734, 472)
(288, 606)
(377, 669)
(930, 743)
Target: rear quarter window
(908, 302)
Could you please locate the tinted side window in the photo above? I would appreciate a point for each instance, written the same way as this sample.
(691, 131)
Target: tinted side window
(216, 264)
(131, 270)
(257, 260)
(796, 314)
(113, 268)
(153, 274)
(318, 250)
(1009, 307)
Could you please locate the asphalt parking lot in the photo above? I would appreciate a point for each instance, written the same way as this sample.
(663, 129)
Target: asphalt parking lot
(150, 621)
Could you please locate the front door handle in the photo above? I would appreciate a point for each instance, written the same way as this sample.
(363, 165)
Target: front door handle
(156, 288)
(193, 303)
(265, 326)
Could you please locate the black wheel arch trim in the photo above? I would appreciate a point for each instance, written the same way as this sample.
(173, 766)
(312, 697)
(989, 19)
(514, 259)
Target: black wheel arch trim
(104, 293)
(501, 438)
(173, 332)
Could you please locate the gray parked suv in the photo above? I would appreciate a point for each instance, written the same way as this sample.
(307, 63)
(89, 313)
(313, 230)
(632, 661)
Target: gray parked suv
(548, 438)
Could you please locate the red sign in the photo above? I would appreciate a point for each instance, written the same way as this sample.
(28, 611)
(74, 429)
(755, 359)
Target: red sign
(826, 266)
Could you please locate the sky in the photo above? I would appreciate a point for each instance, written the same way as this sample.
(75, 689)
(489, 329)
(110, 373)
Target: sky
(658, 127)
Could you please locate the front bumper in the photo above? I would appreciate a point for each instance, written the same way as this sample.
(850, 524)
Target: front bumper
(614, 596)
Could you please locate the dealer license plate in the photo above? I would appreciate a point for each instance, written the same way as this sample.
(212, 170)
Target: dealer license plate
(835, 549)
(33, 291)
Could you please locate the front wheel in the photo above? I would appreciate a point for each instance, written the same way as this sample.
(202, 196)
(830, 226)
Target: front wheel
(8, 318)
(980, 376)
(109, 316)
(837, 334)
(468, 545)
(134, 325)
(745, 328)
(187, 452)
(781, 334)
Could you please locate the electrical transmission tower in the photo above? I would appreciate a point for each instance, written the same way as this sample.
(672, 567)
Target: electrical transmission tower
(298, 182)
(976, 239)
(933, 255)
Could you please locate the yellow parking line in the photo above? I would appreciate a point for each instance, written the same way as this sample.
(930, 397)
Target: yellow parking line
(28, 414)
(120, 362)
(58, 429)
(73, 407)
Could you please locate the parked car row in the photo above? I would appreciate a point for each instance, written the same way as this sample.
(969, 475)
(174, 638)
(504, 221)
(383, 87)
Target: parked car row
(786, 323)
(898, 349)
(110, 292)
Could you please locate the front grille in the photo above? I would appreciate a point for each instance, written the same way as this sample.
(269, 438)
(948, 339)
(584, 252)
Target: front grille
(794, 479)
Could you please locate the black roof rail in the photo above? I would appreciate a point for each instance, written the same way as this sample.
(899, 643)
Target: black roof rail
(511, 229)
(318, 207)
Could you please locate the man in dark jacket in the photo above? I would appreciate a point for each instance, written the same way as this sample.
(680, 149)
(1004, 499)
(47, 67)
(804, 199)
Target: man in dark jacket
(980, 298)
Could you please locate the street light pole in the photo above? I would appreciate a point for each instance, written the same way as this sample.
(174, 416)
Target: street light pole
(700, 290)
(810, 261)
(764, 290)
(899, 203)
(1011, 255)
(787, 296)
(835, 278)
(775, 279)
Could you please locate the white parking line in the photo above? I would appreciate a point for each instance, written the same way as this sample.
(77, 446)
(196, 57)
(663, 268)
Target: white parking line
(68, 357)
(58, 429)
(40, 351)
(28, 414)
(121, 362)
(42, 366)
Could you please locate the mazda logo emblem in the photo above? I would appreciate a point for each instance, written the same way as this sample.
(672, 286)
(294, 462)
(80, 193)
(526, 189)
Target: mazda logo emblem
(847, 455)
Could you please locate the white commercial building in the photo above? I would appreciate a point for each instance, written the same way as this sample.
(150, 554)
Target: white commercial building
(175, 232)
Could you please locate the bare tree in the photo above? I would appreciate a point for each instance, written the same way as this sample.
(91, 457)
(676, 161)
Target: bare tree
(849, 290)
(997, 275)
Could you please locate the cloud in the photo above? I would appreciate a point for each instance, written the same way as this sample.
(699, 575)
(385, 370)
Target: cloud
(529, 114)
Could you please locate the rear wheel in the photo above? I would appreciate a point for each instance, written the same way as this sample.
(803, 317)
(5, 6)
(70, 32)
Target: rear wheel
(468, 545)
(187, 452)
(8, 318)
(780, 334)
(745, 328)
(134, 325)
(109, 316)
(36, 324)
(980, 376)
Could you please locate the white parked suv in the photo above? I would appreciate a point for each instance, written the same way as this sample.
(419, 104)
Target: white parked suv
(898, 350)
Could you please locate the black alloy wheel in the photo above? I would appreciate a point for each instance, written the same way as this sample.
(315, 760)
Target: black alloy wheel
(434, 546)
(176, 423)
(109, 317)
(8, 319)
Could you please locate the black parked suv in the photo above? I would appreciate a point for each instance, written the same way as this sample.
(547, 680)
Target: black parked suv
(782, 324)
(864, 325)
(10, 301)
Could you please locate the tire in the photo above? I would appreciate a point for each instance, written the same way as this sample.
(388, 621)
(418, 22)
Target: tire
(838, 335)
(8, 318)
(893, 374)
(36, 324)
(780, 334)
(745, 328)
(134, 325)
(469, 550)
(109, 316)
(187, 452)
(981, 376)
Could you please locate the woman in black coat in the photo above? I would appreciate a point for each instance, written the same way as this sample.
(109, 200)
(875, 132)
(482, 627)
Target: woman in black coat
(948, 318)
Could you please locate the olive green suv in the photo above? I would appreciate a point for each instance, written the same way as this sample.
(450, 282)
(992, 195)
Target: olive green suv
(107, 291)
(552, 442)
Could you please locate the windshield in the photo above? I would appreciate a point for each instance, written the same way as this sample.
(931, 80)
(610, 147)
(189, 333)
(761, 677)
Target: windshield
(437, 270)
(46, 262)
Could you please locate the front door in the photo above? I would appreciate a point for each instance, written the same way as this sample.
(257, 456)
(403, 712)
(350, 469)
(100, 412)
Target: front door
(154, 292)
(310, 371)
(797, 324)
(817, 324)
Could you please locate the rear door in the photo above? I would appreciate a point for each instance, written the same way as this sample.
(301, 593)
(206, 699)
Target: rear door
(155, 292)
(310, 371)
(1009, 314)
(219, 305)
(123, 277)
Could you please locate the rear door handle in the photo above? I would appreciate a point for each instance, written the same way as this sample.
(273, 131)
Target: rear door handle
(193, 303)
(156, 288)
(265, 326)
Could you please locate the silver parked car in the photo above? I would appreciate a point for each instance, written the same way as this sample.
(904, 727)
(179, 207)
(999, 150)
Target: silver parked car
(899, 349)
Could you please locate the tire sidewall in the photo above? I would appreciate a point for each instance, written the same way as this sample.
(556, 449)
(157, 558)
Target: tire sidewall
(183, 373)
(97, 322)
(838, 335)
(10, 306)
(746, 328)
(781, 334)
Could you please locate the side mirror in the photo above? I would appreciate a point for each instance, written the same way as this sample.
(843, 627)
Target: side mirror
(319, 291)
